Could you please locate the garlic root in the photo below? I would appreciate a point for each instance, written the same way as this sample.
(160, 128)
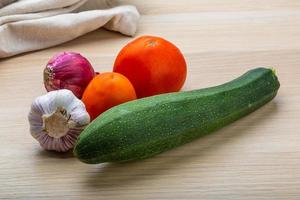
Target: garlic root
(57, 119)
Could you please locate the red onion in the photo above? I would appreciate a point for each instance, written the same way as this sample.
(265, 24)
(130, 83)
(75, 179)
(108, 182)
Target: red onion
(68, 70)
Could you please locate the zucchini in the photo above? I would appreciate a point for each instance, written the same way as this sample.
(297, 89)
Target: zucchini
(145, 127)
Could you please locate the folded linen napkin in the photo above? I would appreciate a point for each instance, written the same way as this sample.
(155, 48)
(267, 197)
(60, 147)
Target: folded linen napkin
(28, 25)
(6, 2)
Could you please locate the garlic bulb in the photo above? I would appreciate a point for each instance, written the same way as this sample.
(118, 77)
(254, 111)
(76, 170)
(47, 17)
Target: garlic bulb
(57, 119)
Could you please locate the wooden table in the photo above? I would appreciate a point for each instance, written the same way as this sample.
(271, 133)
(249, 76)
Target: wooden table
(258, 157)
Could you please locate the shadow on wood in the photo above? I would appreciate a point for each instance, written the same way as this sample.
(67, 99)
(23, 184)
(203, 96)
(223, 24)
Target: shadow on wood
(96, 36)
(54, 154)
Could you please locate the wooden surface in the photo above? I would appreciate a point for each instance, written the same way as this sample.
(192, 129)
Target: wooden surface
(258, 157)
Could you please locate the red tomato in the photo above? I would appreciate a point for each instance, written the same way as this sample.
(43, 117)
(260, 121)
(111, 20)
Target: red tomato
(153, 65)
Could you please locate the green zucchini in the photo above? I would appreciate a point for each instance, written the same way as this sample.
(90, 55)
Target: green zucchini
(145, 127)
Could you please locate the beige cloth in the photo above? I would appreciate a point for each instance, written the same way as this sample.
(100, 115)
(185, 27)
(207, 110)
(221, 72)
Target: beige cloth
(5, 2)
(28, 25)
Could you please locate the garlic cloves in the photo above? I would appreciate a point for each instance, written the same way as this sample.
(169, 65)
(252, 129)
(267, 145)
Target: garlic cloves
(57, 119)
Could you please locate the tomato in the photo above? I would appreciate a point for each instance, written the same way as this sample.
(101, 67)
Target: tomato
(153, 65)
(105, 91)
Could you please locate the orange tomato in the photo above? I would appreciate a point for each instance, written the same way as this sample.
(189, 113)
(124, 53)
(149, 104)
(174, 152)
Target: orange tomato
(153, 65)
(105, 91)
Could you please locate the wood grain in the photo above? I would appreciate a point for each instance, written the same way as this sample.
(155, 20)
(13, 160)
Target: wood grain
(257, 157)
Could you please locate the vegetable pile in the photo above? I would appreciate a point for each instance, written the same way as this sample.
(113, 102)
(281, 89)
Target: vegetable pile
(125, 114)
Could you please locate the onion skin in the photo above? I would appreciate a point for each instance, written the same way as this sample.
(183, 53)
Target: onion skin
(68, 70)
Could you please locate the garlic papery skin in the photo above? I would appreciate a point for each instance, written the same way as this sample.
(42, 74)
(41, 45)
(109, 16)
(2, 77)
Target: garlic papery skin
(68, 70)
(56, 120)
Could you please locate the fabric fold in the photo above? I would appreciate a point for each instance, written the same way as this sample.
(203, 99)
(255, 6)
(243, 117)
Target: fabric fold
(6, 2)
(41, 26)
